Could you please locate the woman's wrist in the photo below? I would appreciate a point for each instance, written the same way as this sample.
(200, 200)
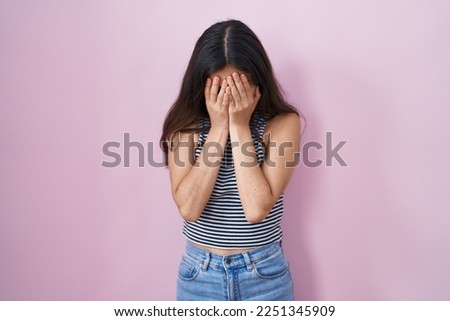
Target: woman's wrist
(237, 129)
(219, 130)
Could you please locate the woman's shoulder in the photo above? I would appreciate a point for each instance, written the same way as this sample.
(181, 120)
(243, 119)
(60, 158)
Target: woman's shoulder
(283, 121)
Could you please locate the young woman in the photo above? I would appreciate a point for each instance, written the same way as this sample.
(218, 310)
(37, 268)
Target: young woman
(231, 140)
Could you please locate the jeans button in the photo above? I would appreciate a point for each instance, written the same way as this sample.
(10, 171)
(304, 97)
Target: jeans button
(228, 261)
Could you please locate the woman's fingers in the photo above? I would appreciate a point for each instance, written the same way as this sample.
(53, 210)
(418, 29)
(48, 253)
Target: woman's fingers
(221, 92)
(234, 91)
(207, 88)
(226, 100)
(231, 102)
(214, 89)
(240, 86)
(246, 85)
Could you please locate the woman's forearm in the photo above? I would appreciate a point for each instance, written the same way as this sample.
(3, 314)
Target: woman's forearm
(194, 190)
(254, 190)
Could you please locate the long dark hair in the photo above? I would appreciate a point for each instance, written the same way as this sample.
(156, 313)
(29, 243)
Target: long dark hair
(228, 42)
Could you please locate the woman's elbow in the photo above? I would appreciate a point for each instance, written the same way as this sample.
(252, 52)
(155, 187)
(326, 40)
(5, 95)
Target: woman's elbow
(257, 215)
(189, 214)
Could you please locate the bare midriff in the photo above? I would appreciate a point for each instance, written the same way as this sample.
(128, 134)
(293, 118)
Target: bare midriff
(222, 252)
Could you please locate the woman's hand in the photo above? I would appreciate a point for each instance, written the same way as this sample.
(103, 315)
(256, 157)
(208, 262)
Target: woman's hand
(217, 102)
(243, 99)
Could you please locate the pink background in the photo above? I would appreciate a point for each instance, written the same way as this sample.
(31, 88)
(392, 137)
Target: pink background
(75, 75)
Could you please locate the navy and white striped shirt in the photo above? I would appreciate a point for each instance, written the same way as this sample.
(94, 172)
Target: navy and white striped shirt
(222, 223)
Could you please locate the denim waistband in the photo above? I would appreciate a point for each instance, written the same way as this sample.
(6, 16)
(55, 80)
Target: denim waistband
(245, 259)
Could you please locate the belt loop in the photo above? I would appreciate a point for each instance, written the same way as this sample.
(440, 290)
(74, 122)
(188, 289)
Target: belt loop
(247, 260)
(206, 261)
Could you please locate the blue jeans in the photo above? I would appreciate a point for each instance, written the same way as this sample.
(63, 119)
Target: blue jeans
(261, 274)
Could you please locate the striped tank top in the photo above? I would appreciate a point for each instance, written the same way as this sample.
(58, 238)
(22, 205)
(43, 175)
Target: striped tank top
(222, 223)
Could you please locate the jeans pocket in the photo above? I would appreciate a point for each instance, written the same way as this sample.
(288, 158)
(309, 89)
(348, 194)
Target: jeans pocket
(188, 269)
(272, 267)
